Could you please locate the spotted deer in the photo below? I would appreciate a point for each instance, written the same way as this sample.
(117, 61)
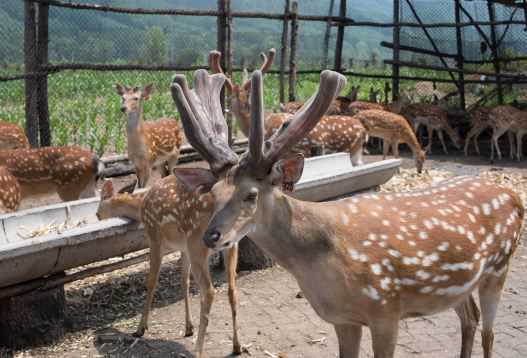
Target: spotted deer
(337, 107)
(358, 106)
(70, 171)
(370, 260)
(393, 129)
(434, 118)
(12, 136)
(175, 218)
(151, 144)
(333, 132)
(10, 192)
(509, 119)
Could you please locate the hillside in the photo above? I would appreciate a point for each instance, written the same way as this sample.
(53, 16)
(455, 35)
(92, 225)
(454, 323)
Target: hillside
(90, 36)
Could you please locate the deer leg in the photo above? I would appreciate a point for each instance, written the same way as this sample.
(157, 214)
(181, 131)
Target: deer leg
(476, 142)
(200, 271)
(470, 134)
(185, 283)
(395, 148)
(430, 131)
(489, 298)
(519, 139)
(349, 337)
(498, 132)
(231, 262)
(384, 334)
(153, 276)
(385, 148)
(468, 314)
(442, 140)
(143, 174)
(511, 144)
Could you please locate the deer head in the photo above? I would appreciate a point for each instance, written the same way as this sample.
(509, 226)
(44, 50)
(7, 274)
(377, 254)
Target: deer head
(131, 98)
(112, 205)
(239, 94)
(353, 93)
(265, 168)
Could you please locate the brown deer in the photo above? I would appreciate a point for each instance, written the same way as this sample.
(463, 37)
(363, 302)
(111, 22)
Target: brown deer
(393, 129)
(434, 118)
(150, 144)
(370, 260)
(70, 171)
(355, 107)
(10, 192)
(335, 133)
(175, 218)
(504, 119)
(337, 106)
(12, 136)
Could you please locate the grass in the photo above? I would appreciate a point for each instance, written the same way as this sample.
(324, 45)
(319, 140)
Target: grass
(84, 108)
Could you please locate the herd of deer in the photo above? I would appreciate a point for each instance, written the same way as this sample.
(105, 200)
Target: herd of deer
(369, 260)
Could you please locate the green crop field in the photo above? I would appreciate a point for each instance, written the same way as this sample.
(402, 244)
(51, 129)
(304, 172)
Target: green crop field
(84, 108)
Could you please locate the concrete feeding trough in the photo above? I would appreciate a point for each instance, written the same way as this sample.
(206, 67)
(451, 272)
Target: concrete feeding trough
(25, 257)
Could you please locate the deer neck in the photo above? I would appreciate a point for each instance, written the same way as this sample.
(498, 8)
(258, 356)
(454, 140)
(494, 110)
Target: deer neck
(243, 118)
(126, 205)
(134, 124)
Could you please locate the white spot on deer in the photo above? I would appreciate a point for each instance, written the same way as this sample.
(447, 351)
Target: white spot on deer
(486, 208)
(399, 237)
(469, 195)
(408, 282)
(470, 236)
(363, 258)
(385, 283)
(353, 208)
(495, 204)
(476, 210)
(458, 290)
(372, 237)
(345, 219)
(423, 275)
(386, 263)
(457, 266)
(371, 292)
(477, 256)
(444, 246)
(423, 235)
(412, 243)
(394, 253)
(489, 239)
(508, 245)
(482, 230)
(440, 278)
(471, 218)
(497, 229)
(386, 223)
(428, 224)
(374, 213)
(430, 259)
(461, 230)
(411, 261)
(426, 289)
(376, 269)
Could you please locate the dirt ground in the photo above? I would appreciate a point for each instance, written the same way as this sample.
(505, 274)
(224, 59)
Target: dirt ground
(103, 311)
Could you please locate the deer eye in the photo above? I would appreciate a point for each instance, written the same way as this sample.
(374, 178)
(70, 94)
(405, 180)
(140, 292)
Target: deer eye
(251, 196)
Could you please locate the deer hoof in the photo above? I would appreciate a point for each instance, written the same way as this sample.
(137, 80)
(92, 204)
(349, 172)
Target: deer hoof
(140, 332)
(236, 350)
(189, 331)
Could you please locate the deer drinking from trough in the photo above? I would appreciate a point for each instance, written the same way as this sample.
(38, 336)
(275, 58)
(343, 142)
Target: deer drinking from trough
(334, 132)
(175, 218)
(150, 144)
(370, 260)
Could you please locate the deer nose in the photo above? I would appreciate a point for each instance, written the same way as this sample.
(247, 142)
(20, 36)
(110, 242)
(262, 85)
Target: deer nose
(123, 109)
(211, 238)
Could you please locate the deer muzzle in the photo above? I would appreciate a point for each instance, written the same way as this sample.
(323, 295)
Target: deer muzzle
(211, 238)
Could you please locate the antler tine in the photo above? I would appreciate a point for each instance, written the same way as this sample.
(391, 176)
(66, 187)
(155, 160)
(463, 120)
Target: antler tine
(267, 60)
(202, 118)
(215, 67)
(301, 123)
(256, 133)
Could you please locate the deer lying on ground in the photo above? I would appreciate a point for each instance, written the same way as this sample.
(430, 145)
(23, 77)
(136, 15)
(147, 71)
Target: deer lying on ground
(507, 119)
(434, 118)
(335, 133)
(150, 144)
(175, 219)
(370, 260)
(393, 129)
(12, 136)
(10, 192)
(71, 172)
(337, 107)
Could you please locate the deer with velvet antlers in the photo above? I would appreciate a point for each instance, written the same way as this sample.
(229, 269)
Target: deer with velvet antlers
(152, 144)
(336, 133)
(370, 260)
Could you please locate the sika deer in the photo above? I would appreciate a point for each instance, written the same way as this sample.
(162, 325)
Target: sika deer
(71, 172)
(12, 136)
(175, 219)
(337, 107)
(393, 129)
(150, 144)
(335, 133)
(370, 260)
(434, 118)
(10, 192)
(507, 119)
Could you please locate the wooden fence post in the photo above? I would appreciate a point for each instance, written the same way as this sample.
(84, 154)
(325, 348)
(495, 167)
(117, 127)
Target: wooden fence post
(31, 66)
(220, 41)
(327, 36)
(283, 51)
(396, 43)
(292, 54)
(42, 59)
(340, 37)
(460, 56)
(495, 50)
(229, 60)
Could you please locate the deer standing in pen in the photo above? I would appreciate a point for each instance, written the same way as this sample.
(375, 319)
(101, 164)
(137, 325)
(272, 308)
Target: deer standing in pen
(370, 260)
(12, 136)
(337, 106)
(434, 118)
(507, 119)
(333, 132)
(71, 172)
(175, 218)
(150, 144)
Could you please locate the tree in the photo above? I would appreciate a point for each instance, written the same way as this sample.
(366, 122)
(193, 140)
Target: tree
(155, 46)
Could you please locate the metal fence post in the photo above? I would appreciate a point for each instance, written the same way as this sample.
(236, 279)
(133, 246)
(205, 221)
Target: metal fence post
(31, 66)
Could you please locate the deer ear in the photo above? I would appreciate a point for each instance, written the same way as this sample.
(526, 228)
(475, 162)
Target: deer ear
(287, 172)
(107, 190)
(147, 90)
(128, 188)
(120, 89)
(196, 179)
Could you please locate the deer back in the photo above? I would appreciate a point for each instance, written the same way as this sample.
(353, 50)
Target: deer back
(10, 191)
(162, 136)
(12, 136)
